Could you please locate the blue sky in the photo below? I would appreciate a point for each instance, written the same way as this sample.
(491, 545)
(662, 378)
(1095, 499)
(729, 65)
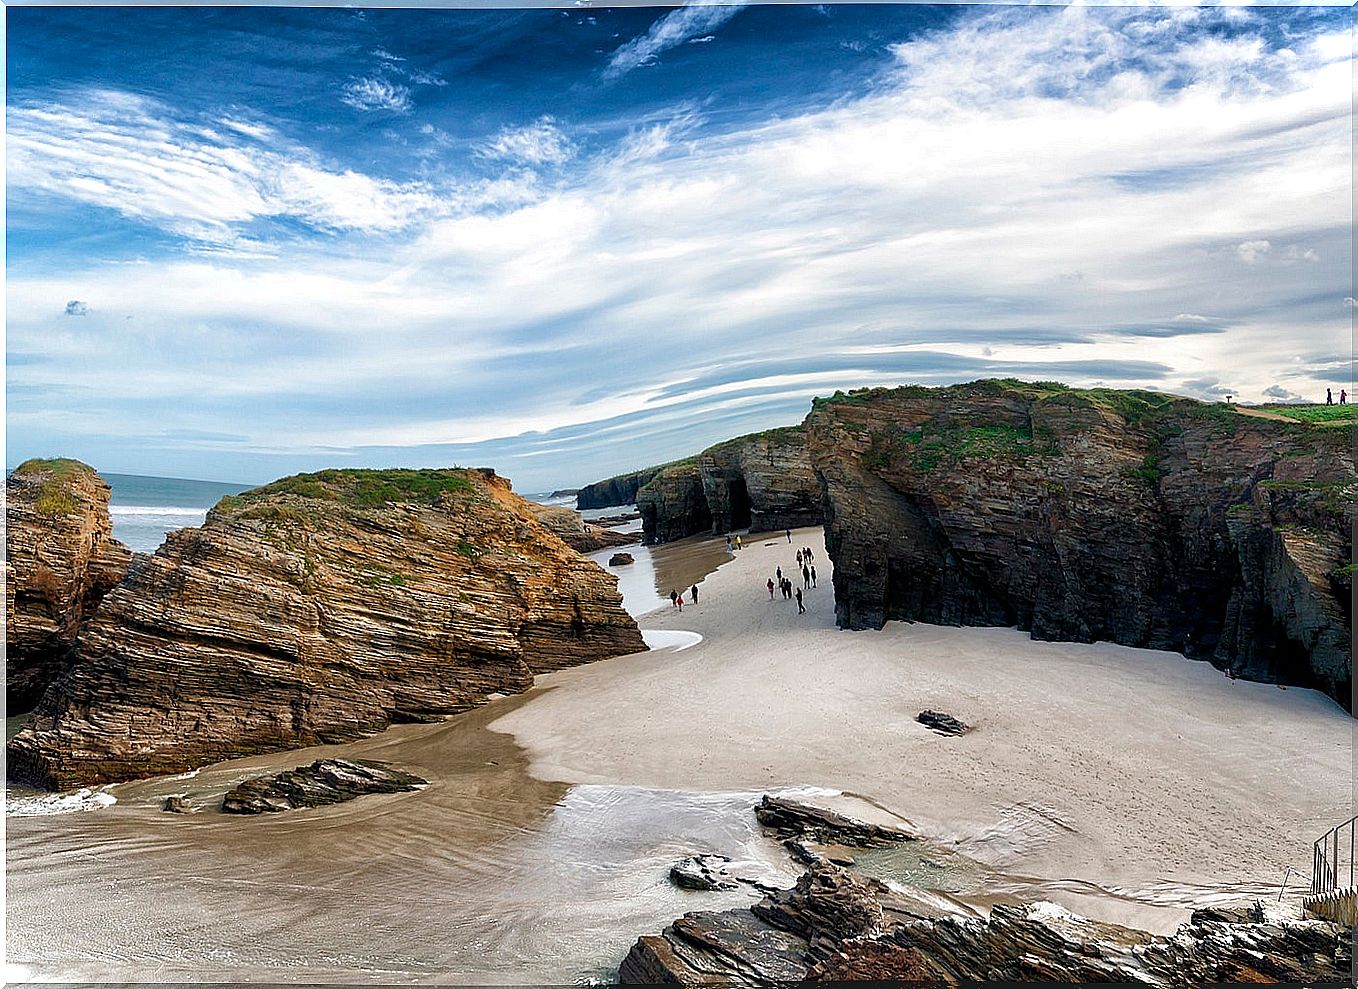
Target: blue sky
(244, 242)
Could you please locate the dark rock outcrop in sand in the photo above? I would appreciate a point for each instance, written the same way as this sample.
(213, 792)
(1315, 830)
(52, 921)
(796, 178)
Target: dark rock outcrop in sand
(836, 926)
(317, 609)
(578, 534)
(1100, 515)
(325, 781)
(60, 560)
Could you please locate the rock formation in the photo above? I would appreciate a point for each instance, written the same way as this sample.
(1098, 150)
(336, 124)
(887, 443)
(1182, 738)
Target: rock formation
(614, 491)
(578, 534)
(763, 482)
(317, 609)
(1122, 516)
(836, 926)
(325, 781)
(61, 559)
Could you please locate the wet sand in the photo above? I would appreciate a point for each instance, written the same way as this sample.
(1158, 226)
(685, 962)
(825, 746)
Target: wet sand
(1127, 784)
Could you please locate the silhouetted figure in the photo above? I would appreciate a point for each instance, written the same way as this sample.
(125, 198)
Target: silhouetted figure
(1329, 397)
(1343, 397)
(770, 588)
(789, 534)
(801, 608)
(799, 558)
(674, 597)
(693, 593)
(779, 572)
(813, 576)
(806, 576)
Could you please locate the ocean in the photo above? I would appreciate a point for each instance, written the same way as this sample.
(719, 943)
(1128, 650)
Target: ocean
(143, 509)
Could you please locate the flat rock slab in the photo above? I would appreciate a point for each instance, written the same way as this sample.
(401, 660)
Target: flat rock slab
(703, 872)
(789, 819)
(944, 724)
(325, 781)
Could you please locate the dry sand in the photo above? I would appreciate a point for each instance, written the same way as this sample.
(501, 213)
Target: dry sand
(1126, 783)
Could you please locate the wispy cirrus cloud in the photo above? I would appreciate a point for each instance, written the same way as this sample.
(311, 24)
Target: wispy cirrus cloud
(1036, 192)
(540, 143)
(691, 22)
(373, 93)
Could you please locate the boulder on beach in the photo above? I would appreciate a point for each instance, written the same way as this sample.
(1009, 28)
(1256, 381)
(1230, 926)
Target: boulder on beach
(325, 781)
(793, 820)
(702, 872)
(620, 559)
(944, 724)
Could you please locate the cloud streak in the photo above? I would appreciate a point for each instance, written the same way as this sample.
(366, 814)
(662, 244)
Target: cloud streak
(692, 22)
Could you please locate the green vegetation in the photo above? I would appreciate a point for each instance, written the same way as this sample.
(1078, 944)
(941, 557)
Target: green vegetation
(54, 497)
(1315, 415)
(928, 447)
(351, 488)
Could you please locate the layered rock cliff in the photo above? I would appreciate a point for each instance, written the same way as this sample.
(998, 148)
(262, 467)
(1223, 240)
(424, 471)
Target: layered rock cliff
(1130, 517)
(316, 609)
(763, 482)
(612, 492)
(578, 534)
(61, 559)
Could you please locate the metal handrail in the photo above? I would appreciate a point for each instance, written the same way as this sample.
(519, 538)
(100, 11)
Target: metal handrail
(1330, 859)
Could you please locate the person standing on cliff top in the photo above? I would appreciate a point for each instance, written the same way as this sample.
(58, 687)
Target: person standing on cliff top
(1329, 397)
(770, 585)
(693, 593)
(1343, 397)
(801, 608)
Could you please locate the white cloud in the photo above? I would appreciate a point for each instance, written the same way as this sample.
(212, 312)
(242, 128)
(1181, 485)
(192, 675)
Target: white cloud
(937, 220)
(695, 20)
(77, 308)
(371, 93)
(540, 143)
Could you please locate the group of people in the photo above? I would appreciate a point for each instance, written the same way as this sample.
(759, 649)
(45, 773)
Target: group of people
(733, 546)
(677, 597)
(1343, 397)
(785, 585)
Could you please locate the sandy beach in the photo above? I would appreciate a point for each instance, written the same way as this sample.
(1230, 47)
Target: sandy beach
(1129, 784)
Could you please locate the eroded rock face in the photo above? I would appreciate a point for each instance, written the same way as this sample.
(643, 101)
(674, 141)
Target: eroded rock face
(836, 926)
(614, 491)
(763, 482)
(1129, 517)
(61, 559)
(325, 781)
(317, 609)
(578, 534)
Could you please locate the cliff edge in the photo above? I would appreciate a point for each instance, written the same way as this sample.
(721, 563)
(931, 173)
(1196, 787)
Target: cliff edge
(1094, 515)
(60, 560)
(316, 609)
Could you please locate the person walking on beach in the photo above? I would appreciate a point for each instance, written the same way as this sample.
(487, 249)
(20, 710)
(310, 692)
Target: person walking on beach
(770, 588)
(789, 534)
(801, 608)
(693, 593)
(799, 558)
(674, 596)
(813, 576)
(779, 572)
(806, 576)
(739, 544)
(1329, 397)
(728, 542)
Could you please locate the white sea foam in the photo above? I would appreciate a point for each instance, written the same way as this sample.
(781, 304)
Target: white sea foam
(670, 638)
(173, 511)
(59, 803)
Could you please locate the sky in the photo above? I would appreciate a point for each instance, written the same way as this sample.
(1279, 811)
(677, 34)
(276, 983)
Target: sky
(245, 242)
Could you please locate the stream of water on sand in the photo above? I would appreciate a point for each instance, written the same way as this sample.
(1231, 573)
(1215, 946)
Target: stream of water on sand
(487, 875)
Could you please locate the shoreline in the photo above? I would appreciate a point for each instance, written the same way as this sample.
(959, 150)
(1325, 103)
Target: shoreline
(1126, 783)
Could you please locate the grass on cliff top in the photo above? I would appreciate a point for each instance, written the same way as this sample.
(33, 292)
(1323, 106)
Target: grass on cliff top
(1315, 415)
(360, 488)
(54, 497)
